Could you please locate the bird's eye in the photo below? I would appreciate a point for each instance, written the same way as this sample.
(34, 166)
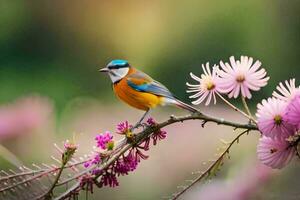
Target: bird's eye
(113, 67)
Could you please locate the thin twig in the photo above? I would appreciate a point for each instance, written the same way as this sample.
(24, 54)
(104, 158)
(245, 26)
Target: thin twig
(49, 193)
(248, 110)
(4, 178)
(234, 107)
(42, 173)
(204, 174)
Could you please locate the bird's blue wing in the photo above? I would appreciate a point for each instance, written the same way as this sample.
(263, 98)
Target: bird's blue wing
(141, 82)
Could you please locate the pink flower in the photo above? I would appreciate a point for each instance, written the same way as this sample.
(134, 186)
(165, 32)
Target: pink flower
(293, 111)
(123, 127)
(241, 76)
(157, 135)
(70, 145)
(104, 140)
(151, 121)
(286, 92)
(94, 161)
(109, 179)
(271, 117)
(275, 153)
(207, 87)
(126, 164)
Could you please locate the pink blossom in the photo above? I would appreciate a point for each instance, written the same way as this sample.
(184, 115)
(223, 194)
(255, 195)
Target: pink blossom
(271, 117)
(70, 145)
(108, 179)
(275, 153)
(293, 111)
(123, 127)
(151, 121)
(126, 164)
(241, 76)
(94, 161)
(207, 88)
(286, 92)
(157, 135)
(104, 139)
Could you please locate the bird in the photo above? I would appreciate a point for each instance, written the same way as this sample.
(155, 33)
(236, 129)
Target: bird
(139, 90)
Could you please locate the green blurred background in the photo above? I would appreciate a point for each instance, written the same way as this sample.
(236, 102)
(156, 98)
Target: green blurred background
(54, 48)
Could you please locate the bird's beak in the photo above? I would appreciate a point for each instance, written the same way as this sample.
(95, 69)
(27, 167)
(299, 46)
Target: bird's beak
(105, 69)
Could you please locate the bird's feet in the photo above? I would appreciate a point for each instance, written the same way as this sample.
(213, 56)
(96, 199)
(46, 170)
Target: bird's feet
(139, 125)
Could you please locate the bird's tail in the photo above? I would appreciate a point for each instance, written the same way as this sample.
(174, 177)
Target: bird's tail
(185, 106)
(182, 105)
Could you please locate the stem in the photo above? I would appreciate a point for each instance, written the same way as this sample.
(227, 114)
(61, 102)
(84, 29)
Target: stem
(234, 107)
(49, 193)
(248, 110)
(210, 167)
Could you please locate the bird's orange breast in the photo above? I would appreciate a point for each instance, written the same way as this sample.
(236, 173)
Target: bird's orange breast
(139, 100)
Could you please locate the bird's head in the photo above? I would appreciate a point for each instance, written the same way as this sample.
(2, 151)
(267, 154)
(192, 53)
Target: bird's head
(116, 69)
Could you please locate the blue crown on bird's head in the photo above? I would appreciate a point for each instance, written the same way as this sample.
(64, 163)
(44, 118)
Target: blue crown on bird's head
(116, 64)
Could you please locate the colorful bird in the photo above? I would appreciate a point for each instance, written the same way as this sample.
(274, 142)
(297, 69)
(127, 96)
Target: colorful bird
(139, 90)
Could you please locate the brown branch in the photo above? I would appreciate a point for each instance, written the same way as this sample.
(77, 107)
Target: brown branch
(211, 167)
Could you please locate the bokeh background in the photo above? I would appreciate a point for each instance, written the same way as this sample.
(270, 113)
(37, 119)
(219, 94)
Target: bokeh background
(50, 88)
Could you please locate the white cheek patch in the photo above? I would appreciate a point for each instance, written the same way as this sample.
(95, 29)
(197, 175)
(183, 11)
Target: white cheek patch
(118, 74)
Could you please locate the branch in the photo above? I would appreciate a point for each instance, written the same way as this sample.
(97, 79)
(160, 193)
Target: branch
(211, 167)
(207, 118)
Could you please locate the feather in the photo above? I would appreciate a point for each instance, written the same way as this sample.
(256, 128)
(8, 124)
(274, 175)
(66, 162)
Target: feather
(143, 83)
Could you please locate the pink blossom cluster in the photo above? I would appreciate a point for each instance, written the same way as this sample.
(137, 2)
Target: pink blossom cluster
(96, 159)
(123, 127)
(238, 77)
(104, 139)
(128, 162)
(278, 119)
(158, 134)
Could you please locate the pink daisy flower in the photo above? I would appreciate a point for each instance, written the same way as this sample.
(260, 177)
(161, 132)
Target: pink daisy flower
(241, 76)
(274, 153)
(207, 87)
(271, 119)
(293, 111)
(286, 92)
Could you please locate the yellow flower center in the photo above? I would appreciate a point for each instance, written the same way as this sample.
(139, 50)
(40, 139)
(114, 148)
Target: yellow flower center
(240, 78)
(208, 83)
(129, 135)
(277, 119)
(210, 86)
